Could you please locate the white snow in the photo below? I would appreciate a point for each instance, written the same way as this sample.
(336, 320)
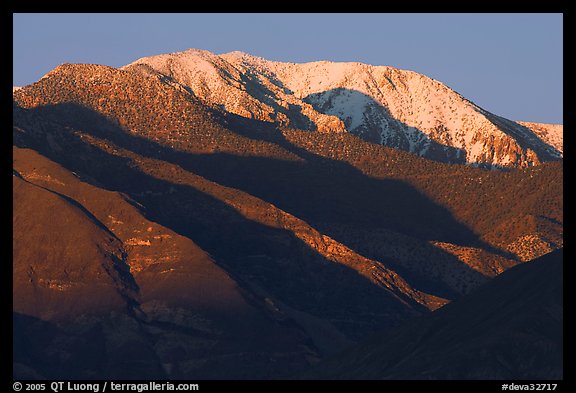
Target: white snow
(249, 85)
(475, 151)
(552, 134)
(350, 106)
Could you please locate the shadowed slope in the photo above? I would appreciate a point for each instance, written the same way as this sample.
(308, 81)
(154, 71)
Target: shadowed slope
(89, 264)
(510, 328)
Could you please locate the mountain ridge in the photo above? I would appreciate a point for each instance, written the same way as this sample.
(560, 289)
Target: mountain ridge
(382, 104)
(326, 236)
(169, 288)
(509, 328)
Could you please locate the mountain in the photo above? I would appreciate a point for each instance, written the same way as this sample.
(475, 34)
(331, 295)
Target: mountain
(200, 323)
(121, 296)
(510, 328)
(238, 241)
(552, 134)
(381, 104)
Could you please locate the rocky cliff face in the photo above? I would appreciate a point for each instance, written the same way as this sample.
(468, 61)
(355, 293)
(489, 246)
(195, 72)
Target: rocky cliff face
(381, 104)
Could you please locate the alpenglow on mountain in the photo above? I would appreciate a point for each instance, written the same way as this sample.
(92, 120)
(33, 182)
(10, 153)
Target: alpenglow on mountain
(157, 234)
(381, 104)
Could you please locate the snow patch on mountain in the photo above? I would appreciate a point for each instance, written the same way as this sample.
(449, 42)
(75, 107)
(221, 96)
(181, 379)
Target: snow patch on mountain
(381, 104)
(553, 134)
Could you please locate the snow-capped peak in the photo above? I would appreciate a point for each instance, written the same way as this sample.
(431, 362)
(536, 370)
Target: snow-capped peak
(382, 104)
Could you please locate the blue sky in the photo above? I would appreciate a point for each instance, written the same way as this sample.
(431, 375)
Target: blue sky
(509, 64)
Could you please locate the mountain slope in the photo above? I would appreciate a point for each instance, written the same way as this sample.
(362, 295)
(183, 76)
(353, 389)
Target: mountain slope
(329, 237)
(91, 276)
(510, 328)
(381, 104)
(89, 264)
(114, 157)
(294, 171)
(552, 134)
